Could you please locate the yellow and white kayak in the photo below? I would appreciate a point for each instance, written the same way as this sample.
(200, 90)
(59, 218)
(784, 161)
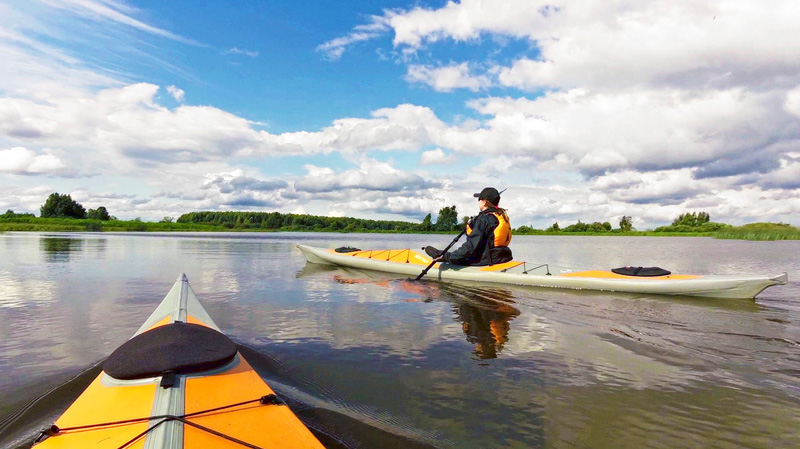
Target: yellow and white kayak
(411, 263)
(178, 383)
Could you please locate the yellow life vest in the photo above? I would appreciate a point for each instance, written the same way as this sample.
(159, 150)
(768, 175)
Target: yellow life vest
(502, 233)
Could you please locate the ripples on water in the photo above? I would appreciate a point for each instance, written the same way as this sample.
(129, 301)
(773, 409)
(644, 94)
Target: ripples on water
(370, 360)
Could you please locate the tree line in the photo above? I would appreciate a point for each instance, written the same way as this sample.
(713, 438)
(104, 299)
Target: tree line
(294, 222)
(63, 206)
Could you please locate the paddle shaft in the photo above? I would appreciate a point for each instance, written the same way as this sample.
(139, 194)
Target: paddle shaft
(425, 271)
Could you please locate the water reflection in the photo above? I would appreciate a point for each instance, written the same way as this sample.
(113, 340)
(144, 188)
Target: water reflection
(59, 249)
(485, 314)
(486, 326)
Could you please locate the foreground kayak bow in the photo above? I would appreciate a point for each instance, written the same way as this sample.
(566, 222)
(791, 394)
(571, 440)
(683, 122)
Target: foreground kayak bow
(178, 383)
(408, 262)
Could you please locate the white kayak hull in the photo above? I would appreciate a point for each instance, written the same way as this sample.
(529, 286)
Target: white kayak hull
(716, 286)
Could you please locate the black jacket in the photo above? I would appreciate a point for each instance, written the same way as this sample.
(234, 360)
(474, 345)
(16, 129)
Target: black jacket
(479, 248)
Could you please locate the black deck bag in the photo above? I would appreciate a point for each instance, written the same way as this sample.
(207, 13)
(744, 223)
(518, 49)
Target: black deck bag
(641, 271)
(180, 348)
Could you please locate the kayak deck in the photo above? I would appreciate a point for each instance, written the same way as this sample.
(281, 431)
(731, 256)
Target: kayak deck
(225, 406)
(410, 262)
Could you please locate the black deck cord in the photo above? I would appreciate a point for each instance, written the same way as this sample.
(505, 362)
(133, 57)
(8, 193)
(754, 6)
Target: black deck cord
(181, 419)
(270, 399)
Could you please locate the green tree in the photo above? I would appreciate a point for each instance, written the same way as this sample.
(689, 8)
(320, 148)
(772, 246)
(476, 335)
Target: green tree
(426, 223)
(447, 220)
(692, 220)
(167, 220)
(625, 224)
(554, 228)
(577, 227)
(607, 226)
(524, 229)
(596, 227)
(98, 214)
(62, 206)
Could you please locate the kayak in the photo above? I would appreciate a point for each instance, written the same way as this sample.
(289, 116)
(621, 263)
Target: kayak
(178, 383)
(411, 263)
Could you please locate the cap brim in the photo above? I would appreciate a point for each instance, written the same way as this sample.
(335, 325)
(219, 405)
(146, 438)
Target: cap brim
(477, 195)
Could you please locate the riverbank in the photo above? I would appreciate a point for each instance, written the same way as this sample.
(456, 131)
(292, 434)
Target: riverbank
(754, 231)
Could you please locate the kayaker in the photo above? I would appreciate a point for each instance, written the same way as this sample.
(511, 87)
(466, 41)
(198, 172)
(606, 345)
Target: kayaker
(488, 235)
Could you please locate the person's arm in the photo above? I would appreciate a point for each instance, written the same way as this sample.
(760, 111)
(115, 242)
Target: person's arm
(475, 240)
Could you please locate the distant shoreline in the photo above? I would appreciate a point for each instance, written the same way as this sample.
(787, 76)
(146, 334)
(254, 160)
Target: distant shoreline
(766, 231)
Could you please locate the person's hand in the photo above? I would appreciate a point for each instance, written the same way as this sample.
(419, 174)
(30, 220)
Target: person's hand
(439, 258)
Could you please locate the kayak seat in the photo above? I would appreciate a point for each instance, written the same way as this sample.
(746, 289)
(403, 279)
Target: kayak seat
(177, 348)
(641, 271)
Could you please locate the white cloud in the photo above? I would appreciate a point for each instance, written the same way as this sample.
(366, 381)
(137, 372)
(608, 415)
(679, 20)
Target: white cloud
(22, 161)
(648, 130)
(371, 175)
(177, 94)
(467, 20)
(436, 156)
(618, 44)
(446, 79)
(238, 51)
(127, 121)
(405, 127)
(792, 104)
(334, 49)
(663, 187)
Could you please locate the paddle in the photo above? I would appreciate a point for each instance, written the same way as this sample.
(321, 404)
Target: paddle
(425, 271)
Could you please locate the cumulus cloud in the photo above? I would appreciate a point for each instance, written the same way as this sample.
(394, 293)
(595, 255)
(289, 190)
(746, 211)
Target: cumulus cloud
(786, 176)
(371, 175)
(405, 127)
(663, 187)
(647, 130)
(596, 132)
(176, 93)
(617, 44)
(437, 156)
(237, 182)
(792, 104)
(446, 79)
(22, 161)
(127, 121)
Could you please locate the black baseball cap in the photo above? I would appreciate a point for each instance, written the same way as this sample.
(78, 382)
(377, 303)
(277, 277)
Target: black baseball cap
(490, 194)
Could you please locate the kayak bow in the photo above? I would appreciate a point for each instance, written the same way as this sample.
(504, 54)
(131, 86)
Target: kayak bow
(178, 383)
(408, 262)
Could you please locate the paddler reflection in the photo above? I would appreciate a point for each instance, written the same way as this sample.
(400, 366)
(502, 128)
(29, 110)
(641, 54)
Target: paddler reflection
(486, 325)
(485, 314)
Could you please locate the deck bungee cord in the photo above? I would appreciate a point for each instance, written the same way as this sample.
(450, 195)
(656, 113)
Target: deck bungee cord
(269, 399)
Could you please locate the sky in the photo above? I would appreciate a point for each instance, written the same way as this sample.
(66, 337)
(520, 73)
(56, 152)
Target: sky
(582, 110)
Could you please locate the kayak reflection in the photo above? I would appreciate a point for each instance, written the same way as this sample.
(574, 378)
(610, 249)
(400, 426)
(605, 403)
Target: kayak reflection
(485, 313)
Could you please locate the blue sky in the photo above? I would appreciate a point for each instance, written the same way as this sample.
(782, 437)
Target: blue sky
(392, 110)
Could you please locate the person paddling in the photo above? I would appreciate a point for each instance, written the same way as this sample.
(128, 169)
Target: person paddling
(488, 235)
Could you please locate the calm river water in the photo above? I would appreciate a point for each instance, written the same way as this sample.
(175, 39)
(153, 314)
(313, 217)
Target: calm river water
(374, 360)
